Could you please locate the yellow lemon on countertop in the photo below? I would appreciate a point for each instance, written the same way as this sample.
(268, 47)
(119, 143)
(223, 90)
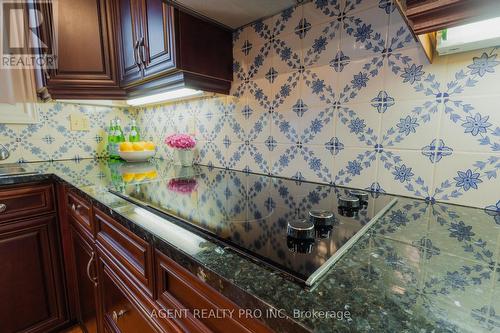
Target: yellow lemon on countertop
(126, 146)
(148, 145)
(138, 146)
(152, 174)
(139, 176)
(128, 177)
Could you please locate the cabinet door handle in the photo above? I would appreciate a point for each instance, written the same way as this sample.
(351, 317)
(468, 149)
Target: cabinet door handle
(94, 280)
(136, 54)
(142, 51)
(3, 208)
(76, 207)
(117, 315)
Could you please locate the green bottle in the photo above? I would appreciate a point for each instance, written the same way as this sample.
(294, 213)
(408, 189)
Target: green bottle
(119, 133)
(117, 182)
(111, 139)
(119, 138)
(134, 133)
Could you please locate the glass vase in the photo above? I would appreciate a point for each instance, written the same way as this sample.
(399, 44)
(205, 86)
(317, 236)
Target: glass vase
(184, 157)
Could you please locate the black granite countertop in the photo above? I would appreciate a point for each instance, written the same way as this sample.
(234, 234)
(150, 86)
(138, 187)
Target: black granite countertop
(423, 267)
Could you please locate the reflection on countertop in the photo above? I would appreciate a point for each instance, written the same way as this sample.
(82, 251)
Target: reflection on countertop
(422, 267)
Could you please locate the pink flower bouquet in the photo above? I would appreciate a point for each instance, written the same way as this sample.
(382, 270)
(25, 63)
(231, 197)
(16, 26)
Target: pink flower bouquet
(182, 186)
(180, 141)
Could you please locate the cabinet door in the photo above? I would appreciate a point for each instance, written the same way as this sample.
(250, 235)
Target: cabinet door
(130, 33)
(120, 313)
(86, 62)
(86, 281)
(157, 50)
(31, 287)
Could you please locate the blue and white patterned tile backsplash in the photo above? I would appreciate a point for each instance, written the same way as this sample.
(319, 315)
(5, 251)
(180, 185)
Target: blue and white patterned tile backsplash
(339, 92)
(333, 91)
(52, 139)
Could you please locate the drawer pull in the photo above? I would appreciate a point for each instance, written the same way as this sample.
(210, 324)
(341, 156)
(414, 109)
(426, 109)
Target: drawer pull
(3, 208)
(118, 315)
(93, 279)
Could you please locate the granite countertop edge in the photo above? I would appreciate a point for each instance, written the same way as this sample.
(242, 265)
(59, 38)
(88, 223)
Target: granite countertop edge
(241, 297)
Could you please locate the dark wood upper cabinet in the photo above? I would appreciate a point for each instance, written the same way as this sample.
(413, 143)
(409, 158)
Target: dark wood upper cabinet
(426, 16)
(157, 31)
(129, 34)
(86, 51)
(118, 49)
(170, 49)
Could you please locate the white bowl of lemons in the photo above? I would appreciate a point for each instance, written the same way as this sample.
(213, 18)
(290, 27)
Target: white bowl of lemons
(136, 151)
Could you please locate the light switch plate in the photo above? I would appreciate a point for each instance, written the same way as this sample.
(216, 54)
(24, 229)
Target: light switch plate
(79, 122)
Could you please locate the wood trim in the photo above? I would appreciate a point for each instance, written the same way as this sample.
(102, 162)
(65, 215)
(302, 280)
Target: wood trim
(176, 4)
(88, 93)
(428, 42)
(431, 15)
(179, 79)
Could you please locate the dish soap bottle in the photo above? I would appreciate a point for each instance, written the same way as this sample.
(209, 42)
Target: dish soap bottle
(134, 133)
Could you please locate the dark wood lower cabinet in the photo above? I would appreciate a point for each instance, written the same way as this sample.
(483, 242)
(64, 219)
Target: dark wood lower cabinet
(31, 286)
(85, 274)
(113, 280)
(119, 312)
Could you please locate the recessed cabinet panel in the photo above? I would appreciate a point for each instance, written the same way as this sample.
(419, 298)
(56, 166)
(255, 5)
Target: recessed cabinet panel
(157, 30)
(120, 314)
(31, 293)
(80, 208)
(173, 49)
(77, 50)
(25, 201)
(126, 249)
(180, 289)
(130, 31)
(87, 68)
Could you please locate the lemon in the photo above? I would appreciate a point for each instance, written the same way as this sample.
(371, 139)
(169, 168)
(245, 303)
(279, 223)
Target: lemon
(138, 146)
(128, 177)
(139, 176)
(126, 146)
(151, 174)
(148, 145)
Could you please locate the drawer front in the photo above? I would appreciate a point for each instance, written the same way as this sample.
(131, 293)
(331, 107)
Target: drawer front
(80, 209)
(120, 313)
(24, 201)
(129, 251)
(179, 289)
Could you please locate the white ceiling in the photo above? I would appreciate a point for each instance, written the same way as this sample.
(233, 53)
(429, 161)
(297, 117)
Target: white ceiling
(235, 13)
